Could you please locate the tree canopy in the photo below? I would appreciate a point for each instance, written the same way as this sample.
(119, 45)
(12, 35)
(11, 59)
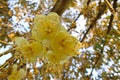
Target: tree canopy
(59, 39)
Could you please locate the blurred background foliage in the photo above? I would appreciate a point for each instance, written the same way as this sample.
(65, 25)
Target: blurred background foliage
(93, 22)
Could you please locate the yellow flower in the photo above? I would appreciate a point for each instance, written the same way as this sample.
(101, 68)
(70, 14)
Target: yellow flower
(20, 42)
(46, 27)
(65, 44)
(12, 77)
(32, 51)
(14, 68)
(56, 58)
(36, 48)
(17, 75)
(47, 30)
(46, 47)
(54, 18)
(38, 20)
(21, 74)
(51, 41)
(35, 35)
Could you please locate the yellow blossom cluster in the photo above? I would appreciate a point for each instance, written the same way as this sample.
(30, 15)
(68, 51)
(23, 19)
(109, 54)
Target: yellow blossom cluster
(30, 49)
(17, 75)
(50, 40)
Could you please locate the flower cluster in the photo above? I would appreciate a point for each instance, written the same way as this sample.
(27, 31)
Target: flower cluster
(30, 49)
(50, 40)
(17, 75)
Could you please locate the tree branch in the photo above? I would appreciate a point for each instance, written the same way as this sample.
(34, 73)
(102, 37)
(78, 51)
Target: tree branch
(3, 42)
(73, 25)
(101, 11)
(60, 6)
(109, 6)
(108, 31)
(8, 51)
(112, 16)
(95, 65)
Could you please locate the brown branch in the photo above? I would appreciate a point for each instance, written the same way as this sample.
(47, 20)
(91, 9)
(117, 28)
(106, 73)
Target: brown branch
(8, 51)
(8, 62)
(73, 25)
(108, 31)
(88, 2)
(7, 66)
(60, 6)
(95, 65)
(110, 23)
(109, 6)
(3, 42)
(112, 16)
(101, 11)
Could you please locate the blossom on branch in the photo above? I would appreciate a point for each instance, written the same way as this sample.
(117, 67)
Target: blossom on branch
(50, 40)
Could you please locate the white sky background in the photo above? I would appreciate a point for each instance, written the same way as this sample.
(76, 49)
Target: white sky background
(80, 27)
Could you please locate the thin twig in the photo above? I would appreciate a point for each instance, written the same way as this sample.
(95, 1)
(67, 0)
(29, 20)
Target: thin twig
(112, 16)
(8, 62)
(109, 6)
(60, 6)
(101, 11)
(94, 65)
(3, 42)
(73, 24)
(108, 31)
(8, 51)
